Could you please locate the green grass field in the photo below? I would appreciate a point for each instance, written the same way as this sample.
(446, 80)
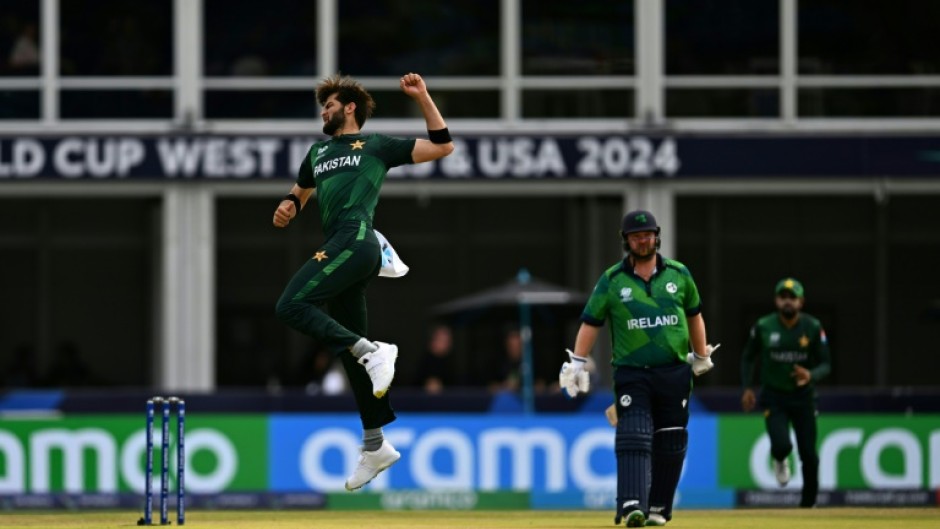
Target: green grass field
(829, 518)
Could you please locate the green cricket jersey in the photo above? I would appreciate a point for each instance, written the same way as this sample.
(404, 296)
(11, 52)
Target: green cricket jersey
(780, 347)
(648, 320)
(348, 172)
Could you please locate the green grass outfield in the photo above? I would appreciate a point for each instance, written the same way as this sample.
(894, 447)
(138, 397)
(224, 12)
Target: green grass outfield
(828, 518)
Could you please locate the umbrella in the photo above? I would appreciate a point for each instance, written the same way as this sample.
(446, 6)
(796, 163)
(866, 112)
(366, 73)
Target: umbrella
(547, 299)
(517, 300)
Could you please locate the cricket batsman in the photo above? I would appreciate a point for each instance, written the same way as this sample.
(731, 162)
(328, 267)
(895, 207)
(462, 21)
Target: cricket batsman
(654, 313)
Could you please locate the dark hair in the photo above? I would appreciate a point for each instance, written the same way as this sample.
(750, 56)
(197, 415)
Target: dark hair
(347, 90)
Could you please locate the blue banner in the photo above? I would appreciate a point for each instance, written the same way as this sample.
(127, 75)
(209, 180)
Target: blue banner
(478, 158)
(564, 460)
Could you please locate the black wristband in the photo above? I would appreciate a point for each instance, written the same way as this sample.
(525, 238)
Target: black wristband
(440, 136)
(293, 198)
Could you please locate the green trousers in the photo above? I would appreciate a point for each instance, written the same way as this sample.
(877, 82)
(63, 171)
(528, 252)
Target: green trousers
(798, 408)
(326, 300)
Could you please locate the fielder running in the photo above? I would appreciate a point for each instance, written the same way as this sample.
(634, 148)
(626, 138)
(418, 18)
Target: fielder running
(655, 314)
(794, 355)
(347, 172)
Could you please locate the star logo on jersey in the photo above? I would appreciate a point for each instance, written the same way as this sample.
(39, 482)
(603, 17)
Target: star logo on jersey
(357, 145)
(626, 294)
(804, 341)
(625, 400)
(671, 287)
(321, 255)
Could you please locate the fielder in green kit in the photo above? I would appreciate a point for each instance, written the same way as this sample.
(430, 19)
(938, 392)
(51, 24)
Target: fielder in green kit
(346, 173)
(794, 354)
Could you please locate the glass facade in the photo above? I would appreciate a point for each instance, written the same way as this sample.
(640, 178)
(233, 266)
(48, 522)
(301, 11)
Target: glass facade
(869, 102)
(274, 38)
(389, 38)
(77, 299)
(723, 102)
(868, 37)
(495, 67)
(722, 37)
(495, 60)
(19, 104)
(591, 37)
(114, 38)
(739, 247)
(20, 54)
(611, 103)
(116, 104)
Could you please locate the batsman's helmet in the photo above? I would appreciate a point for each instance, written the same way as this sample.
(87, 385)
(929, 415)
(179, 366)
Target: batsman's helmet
(639, 221)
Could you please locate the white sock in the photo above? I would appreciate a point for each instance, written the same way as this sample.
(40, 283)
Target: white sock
(362, 347)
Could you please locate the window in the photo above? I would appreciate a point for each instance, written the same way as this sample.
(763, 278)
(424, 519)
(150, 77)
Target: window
(577, 103)
(869, 102)
(589, 37)
(722, 37)
(250, 104)
(390, 37)
(868, 37)
(77, 289)
(116, 104)
(723, 102)
(251, 39)
(480, 104)
(19, 38)
(19, 104)
(739, 251)
(116, 38)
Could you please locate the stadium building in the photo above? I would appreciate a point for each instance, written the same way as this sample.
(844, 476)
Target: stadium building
(143, 146)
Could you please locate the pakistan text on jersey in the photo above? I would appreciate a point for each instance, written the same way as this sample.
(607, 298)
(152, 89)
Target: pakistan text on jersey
(789, 356)
(333, 163)
(649, 323)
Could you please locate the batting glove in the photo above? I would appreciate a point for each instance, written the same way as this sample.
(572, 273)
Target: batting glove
(702, 364)
(572, 378)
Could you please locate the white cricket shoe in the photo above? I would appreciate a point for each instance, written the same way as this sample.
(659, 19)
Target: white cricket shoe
(380, 364)
(656, 520)
(370, 464)
(782, 472)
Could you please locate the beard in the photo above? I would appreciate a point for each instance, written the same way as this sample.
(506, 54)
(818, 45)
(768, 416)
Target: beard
(643, 253)
(788, 312)
(334, 124)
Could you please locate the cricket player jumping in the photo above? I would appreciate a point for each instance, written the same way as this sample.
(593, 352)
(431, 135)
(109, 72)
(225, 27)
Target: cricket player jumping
(347, 172)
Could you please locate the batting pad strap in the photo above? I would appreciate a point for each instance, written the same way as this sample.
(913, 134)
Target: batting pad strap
(672, 440)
